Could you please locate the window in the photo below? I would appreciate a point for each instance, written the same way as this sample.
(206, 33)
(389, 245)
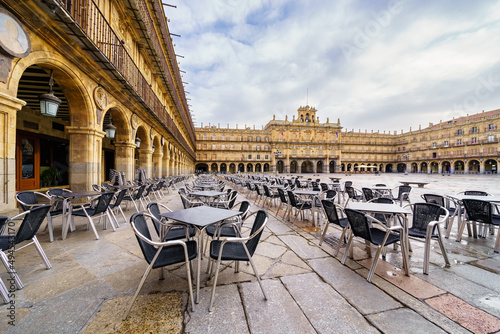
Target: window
(214, 146)
(214, 137)
(266, 139)
(232, 137)
(491, 139)
(473, 140)
(491, 150)
(434, 154)
(223, 137)
(258, 138)
(459, 141)
(446, 144)
(266, 147)
(223, 146)
(249, 157)
(434, 145)
(474, 129)
(249, 138)
(205, 137)
(258, 147)
(491, 127)
(266, 157)
(258, 156)
(232, 146)
(460, 132)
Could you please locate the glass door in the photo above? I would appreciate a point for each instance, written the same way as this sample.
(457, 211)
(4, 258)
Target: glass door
(27, 162)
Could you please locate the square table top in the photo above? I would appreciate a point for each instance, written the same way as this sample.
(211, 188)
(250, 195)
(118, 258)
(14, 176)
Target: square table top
(200, 216)
(207, 193)
(378, 207)
(494, 198)
(306, 192)
(77, 194)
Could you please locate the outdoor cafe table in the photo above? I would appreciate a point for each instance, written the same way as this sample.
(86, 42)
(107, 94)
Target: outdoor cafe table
(390, 209)
(208, 197)
(335, 179)
(68, 196)
(310, 194)
(457, 198)
(200, 217)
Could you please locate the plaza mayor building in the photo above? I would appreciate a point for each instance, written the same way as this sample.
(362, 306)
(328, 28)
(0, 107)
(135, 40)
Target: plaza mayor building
(93, 87)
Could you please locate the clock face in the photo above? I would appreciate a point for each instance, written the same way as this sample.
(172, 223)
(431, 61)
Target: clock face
(13, 38)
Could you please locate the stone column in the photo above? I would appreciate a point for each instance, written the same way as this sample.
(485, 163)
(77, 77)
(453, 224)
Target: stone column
(165, 164)
(8, 113)
(146, 161)
(157, 163)
(124, 159)
(85, 148)
(481, 166)
(287, 164)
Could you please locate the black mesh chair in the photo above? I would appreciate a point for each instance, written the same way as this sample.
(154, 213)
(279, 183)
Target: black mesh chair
(384, 218)
(441, 201)
(173, 231)
(228, 202)
(367, 194)
(283, 202)
(333, 218)
(330, 194)
(98, 208)
(403, 194)
(231, 227)
(480, 212)
(353, 193)
(31, 221)
(298, 204)
(116, 205)
(238, 249)
(426, 225)
(362, 226)
(269, 195)
(161, 254)
(134, 197)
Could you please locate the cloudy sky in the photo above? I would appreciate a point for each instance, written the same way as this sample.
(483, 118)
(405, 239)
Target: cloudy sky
(376, 65)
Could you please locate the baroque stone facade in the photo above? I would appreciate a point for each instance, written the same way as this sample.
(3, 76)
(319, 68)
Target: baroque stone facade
(468, 144)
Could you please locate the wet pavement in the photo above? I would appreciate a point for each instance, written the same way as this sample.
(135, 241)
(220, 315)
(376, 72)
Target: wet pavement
(309, 291)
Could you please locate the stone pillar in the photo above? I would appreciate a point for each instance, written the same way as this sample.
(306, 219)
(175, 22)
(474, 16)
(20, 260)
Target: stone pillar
(165, 163)
(146, 161)
(440, 168)
(124, 159)
(8, 113)
(157, 163)
(481, 166)
(326, 165)
(85, 148)
(287, 164)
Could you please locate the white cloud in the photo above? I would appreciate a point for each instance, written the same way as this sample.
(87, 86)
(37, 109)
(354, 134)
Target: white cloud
(419, 62)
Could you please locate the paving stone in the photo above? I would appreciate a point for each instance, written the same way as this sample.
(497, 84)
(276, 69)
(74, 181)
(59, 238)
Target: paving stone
(227, 316)
(302, 247)
(327, 311)
(403, 320)
(278, 227)
(291, 258)
(465, 314)
(489, 264)
(364, 296)
(477, 275)
(272, 251)
(278, 314)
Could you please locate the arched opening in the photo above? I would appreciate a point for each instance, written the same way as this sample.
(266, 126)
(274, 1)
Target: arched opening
(342, 167)
(306, 167)
(241, 168)
(249, 168)
(355, 167)
(266, 168)
(293, 167)
(490, 166)
(331, 167)
(349, 167)
(319, 167)
(459, 167)
(388, 168)
(423, 167)
(201, 168)
(213, 167)
(223, 168)
(280, 166)
(232, 168)
(258, 168)
(414, 167)
(434, 167)
(474, 166)
(446, 167)
(401, 168)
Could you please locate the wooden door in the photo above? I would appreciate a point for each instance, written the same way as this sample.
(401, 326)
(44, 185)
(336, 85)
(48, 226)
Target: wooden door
(27, 162)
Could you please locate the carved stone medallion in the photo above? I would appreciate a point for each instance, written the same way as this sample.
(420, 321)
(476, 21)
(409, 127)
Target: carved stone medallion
(134, 121)
(100, 98)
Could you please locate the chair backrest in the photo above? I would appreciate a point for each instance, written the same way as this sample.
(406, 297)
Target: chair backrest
(404, 192)
(384, 200)
(350, 192)
(434, 199)
(282, 195)
(27, 197)
(315, 186)
(380, 185)
(232, 198)
(359, 224)
(324, 186)
(347, 184)
(423, 214)
(106, 186)
(257, 190)
(291, 197)
(331, 212)
(266, 191)
(154, 210)
(182, 191)
(103, 202)
(185, 201)
(149, 188)
(139, 192)
(368, 194)
(54, 192)
(119, 197)
(475, 193)
(478, 211)
(96, 187)
(330, 194)
(260, 220)
(31, 223)
(140, 225)
(244, 209)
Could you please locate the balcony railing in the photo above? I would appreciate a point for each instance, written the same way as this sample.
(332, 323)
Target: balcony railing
(87, 16)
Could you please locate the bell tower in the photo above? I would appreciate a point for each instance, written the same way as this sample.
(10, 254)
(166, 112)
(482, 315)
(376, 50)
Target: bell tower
(306, 114)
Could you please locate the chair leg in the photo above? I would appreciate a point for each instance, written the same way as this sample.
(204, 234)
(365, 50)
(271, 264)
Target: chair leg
(324, 233)
(347, 248)
(139, 288)
(443, 250)
(4, 292)
(12, 272)
(341, 240)
(214, 285)
(374, 264)
(41, 252)
(255, 271)
(91, 222)
(51, 227)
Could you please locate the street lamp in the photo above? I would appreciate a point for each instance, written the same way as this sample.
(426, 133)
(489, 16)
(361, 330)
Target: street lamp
(407, 156)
